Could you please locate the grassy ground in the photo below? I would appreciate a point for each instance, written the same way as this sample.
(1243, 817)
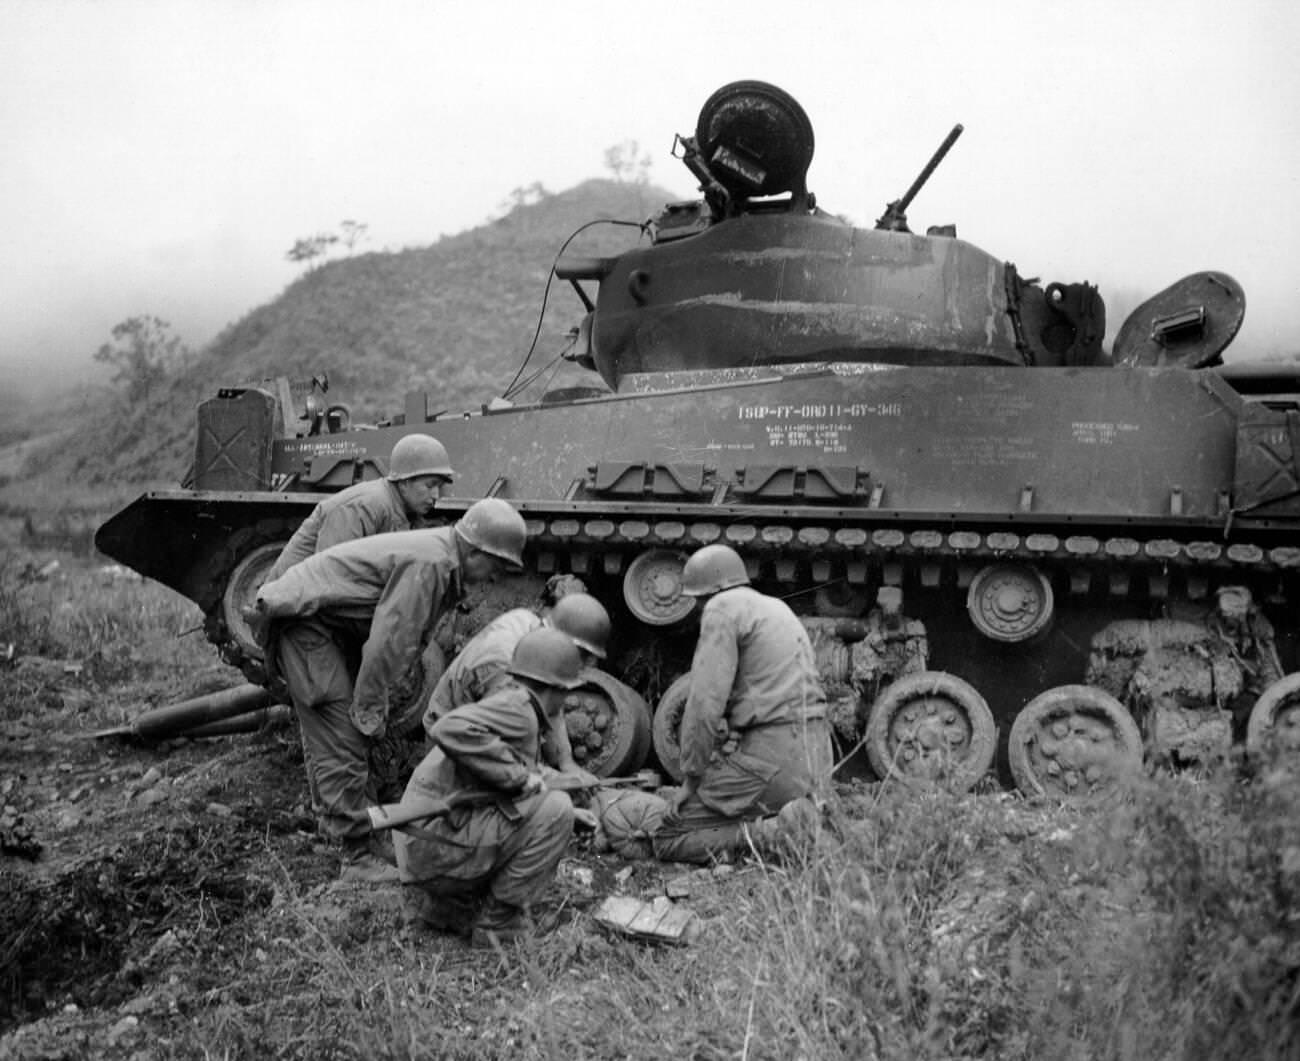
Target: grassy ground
(181, 905)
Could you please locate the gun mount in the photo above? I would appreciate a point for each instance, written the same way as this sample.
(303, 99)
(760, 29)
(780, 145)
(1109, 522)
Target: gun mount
(894, 219)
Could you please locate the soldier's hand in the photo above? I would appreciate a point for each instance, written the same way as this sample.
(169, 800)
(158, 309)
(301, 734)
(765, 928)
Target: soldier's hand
(675, 802)
(678, 799)
(259, 623)
(534, 783)
(585, 819)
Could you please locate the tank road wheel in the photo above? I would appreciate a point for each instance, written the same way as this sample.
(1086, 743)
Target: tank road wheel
(608, 724)
(1009, 602)
(841, 601)
(1073, 742)
(668, 726)
(929, 727)
(241, 592)
(1275, 720)
(652, 587)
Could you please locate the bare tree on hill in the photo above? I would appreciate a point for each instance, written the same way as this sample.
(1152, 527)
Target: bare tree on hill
(142, 353)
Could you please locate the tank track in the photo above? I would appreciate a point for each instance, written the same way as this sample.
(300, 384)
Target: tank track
(808, 555)
(853, 550)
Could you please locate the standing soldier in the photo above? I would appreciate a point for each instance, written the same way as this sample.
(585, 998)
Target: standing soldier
(483, 665)
(347, 623)
(480, 868)
(418, 469)
(754, 736)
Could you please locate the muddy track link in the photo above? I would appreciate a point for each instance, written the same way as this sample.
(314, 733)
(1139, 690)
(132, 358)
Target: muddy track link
(855, 549)
(821, 553)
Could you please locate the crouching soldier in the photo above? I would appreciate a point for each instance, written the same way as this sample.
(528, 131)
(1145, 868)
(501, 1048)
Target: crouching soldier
(483, 665)
(754, 737)
(480, 868)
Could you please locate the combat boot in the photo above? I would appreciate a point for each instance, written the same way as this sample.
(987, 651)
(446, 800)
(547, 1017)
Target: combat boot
(792, 831)
(499, 924)
(439, 913)
(381, 846)
(363, 866)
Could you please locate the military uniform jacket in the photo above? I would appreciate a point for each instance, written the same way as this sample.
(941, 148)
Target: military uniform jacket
(488, 746)
(480, 667)
(753, 666)
(372, 507)
(403, 583)
(494, 743)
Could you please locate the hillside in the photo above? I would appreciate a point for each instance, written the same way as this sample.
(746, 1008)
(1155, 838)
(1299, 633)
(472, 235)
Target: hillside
(455, 318)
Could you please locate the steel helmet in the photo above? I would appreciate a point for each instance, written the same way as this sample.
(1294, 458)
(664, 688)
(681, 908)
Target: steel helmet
(584, 619)
(713, 568)
(419, 455)
(549, 657)
(494, 526)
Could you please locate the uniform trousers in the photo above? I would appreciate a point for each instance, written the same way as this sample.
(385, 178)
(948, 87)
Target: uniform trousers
(771, 766)
(319, 662)
(508, 851)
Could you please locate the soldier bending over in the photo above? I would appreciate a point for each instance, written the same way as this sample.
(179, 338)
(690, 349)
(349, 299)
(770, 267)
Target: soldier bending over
(418, 468)
(347, 623)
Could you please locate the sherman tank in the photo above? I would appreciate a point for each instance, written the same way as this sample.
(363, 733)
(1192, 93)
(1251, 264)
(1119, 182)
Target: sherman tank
(1020, 554)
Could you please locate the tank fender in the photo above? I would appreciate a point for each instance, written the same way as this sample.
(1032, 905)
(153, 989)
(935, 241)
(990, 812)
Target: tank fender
(180, 537)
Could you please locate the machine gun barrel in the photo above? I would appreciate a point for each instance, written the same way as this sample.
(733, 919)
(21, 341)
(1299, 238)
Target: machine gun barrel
(895, 216)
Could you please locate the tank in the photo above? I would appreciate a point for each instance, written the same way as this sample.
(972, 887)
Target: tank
(1020, 554)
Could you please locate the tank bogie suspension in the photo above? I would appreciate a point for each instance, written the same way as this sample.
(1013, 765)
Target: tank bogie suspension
(1012, 580)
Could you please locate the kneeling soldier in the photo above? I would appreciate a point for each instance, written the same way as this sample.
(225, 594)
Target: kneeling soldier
(754, 736)
(482, 866)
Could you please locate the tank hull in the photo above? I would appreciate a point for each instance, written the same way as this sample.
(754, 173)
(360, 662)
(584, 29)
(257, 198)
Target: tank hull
(1122, 487)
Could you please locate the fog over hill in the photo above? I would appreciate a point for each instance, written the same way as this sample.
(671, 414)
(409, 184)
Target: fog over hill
(455, 318)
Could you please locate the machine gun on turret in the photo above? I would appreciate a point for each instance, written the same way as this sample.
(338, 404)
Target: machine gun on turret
(894, 218)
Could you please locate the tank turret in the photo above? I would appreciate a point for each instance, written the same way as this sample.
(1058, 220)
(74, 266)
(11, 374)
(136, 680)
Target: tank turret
(755, 275)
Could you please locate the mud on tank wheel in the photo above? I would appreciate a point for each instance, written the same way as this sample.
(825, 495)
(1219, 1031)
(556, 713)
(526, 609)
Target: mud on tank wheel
(931, 727)
(608, 725)
(219, 571)
(1074, 742)
(241, 592)
(668, 726)
(1274, 722)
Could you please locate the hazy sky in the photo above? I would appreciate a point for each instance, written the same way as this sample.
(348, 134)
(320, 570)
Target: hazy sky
(161, 156)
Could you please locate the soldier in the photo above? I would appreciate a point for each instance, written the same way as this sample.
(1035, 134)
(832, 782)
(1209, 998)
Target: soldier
(348, 622)
(479, 869)
(418, 469)
(754, 736)
(482, 666)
